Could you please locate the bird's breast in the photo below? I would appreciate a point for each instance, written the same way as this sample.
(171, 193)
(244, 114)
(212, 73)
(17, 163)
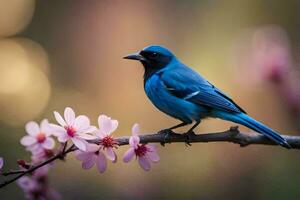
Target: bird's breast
(166, 102)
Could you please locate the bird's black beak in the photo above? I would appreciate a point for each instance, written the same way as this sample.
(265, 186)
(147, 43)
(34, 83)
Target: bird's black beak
(135, 56)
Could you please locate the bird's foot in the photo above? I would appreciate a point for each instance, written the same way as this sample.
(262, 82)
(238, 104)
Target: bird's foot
(188, 136)
(166, 134)
(233, 131)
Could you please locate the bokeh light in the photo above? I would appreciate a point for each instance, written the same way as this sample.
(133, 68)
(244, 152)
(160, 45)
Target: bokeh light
(24, 85)
(15, 16)
(264, 53)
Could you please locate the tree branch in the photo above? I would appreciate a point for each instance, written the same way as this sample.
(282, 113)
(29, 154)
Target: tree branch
(232, 135)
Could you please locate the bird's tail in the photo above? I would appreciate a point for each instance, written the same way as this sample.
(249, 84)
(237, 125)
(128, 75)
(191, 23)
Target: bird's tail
(251, 123)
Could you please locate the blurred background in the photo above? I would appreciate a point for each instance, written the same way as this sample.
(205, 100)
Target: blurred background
(56, 53)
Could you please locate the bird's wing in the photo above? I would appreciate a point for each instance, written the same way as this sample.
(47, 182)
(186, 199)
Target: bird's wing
(187, 84)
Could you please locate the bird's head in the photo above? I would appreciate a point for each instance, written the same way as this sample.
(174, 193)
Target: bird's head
(153, 58)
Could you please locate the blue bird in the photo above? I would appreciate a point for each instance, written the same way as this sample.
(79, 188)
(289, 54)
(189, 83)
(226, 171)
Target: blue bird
(182, 93)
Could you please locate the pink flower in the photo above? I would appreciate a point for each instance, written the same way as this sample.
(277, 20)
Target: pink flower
(1, 163)
(42, 171)
(73, 128)
(107, 142)
(144, 152)
(94, 154)
(38, 137)
(37, 188)
(39, 156)
(28, 185)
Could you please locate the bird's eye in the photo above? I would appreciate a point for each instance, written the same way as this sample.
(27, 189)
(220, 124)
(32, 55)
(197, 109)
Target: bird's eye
(153, 55)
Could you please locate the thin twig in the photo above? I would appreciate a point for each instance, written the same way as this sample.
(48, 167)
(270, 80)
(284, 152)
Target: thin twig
(10, 172)
(64, 147)
(30, 170)
(232, 135)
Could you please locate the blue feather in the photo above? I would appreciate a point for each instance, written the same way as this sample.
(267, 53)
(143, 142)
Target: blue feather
(251, 123)
(166, 102)
(184, 81)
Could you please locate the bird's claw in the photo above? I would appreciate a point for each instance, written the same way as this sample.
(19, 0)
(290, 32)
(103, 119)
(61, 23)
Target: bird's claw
(188, 136)
(166, 133)
(234, 131)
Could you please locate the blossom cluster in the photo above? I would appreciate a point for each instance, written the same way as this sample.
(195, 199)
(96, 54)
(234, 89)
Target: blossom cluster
(95, 146)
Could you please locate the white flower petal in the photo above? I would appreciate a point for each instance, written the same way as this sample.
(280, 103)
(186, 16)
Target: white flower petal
(112, 126)
(89, 161)
(79, 143)
(101, 162)
(35, 148)
(69, 115)
(134, 141)
(110, 154)
(152, 152)
(92, 147)
(102, 120)
(81, 122)
(128, 154)
(63, 137)
(28, 140)
(87, 136)
(81, 155)
(32, 128)
(45, 127)
(99, 133)
(27, 184)
(90, 129)
(144, 163)
(57, 130)
(153, 156)
(107, 125)
(38, 151)
(42, 171)
(59, 119)
(48, 143)
(151, 147)
(116, 158)
(135, 130)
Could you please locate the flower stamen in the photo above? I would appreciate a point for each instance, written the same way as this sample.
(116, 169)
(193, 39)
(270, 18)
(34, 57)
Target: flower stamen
(70, 130)
(108, 142)
(141, 150)
(41, 137)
